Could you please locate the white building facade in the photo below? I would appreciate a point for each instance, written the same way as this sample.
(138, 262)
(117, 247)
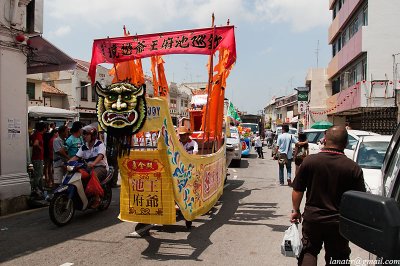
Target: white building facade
(364, 36)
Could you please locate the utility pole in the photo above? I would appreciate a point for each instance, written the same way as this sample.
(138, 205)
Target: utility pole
(317, 52)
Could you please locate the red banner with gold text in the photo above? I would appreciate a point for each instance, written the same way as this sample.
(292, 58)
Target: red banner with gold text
(197, 41)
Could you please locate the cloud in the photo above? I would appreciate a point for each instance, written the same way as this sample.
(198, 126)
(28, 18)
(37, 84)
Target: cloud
(61, 31)
(266, 51)
(302, 15)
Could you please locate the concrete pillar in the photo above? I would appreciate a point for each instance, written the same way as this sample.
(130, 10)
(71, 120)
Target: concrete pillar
(14, 180)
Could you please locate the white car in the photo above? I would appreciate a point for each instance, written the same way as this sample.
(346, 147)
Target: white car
(292, 131)
(315, 135)
(233, 145)
(369, 154)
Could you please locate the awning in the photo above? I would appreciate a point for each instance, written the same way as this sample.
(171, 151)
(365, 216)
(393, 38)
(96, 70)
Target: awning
(45, 111)
(45, 57)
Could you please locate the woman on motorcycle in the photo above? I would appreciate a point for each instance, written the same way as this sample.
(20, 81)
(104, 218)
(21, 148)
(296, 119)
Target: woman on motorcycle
(93, 151)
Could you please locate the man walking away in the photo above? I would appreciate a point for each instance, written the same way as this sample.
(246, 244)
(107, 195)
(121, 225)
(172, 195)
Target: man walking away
(284, 147)
(258, 145)
(325, 176)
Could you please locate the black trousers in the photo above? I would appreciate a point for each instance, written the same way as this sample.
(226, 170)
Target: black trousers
(260, 152)
(316, 234)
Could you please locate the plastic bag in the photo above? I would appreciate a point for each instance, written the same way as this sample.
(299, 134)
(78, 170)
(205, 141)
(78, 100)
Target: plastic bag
(94, 188)
(291, 244)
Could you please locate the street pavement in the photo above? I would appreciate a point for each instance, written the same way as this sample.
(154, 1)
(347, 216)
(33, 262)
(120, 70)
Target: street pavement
(246, 227)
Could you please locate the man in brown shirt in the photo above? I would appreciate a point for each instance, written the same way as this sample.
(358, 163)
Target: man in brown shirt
(325, 177)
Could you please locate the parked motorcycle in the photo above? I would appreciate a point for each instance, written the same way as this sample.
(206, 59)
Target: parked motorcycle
(70, 195)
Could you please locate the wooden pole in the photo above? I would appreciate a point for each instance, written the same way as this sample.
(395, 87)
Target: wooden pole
(210, 78)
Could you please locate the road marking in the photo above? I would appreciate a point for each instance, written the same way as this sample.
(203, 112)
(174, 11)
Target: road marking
(67, 264)
(234, 170)
(226, 185)
(235, 176)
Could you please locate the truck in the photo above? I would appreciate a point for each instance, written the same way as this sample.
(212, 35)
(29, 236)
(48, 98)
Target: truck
(254, 119)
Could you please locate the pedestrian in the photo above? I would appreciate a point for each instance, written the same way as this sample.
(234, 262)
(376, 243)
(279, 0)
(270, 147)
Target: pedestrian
(38, 159)
(50, 178)
(75, 141)
(285, 157)
(190, 145)
(60, 154)
(94, 153)
(258, 145)
(301, 150)
(325, 177)
(46, 155)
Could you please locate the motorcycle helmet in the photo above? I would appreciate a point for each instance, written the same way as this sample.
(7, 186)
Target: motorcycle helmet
(90, 130)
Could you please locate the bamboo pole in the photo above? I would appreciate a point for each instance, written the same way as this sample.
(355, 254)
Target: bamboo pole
(210, 78)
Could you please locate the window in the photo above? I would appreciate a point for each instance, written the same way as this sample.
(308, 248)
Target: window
(392, 173)
(365, 16)
(339, 43)
(335, 86)
(364, 69)
(333, 49)
(84, 90)
(30, 90)
(172, 103)
(345, 37)
(95, 97)
(352, 142)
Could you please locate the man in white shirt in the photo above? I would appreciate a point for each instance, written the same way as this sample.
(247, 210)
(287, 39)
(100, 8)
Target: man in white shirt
(284, 147)
(258, 145)
(190, 145)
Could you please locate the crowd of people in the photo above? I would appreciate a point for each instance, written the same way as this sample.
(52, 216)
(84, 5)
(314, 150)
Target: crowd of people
(52, 147)
(323, 188)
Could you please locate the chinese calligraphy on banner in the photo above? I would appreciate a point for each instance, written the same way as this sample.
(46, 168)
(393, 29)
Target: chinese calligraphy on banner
(198, 41)
(146, 193)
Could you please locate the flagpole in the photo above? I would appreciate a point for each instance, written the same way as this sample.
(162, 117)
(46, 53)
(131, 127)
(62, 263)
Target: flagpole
(210, 76)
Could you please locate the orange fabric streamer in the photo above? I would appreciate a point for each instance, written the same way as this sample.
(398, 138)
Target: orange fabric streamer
(130, 71)
(213, 121)
(154, 74)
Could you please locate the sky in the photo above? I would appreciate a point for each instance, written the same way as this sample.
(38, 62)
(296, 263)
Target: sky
(276, 40)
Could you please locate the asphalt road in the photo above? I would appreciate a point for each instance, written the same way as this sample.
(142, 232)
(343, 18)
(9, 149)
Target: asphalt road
(245, 228)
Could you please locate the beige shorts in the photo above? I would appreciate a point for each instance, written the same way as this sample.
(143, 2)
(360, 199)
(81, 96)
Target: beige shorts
(58, 174)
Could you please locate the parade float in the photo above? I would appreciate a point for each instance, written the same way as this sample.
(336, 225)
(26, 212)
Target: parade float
(156, 171)
(245, 139)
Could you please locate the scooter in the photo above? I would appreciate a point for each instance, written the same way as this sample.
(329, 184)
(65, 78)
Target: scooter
(70, 195)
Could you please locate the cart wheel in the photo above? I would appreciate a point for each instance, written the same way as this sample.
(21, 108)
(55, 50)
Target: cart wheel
(188, 224)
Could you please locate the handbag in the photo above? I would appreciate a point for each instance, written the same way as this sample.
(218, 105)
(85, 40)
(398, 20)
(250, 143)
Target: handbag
(282, 157)
(291, 244)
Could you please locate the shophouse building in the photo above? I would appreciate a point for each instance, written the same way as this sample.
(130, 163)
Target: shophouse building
(365, 36)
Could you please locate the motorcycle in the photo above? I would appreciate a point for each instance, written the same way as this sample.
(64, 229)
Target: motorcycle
(70, 195)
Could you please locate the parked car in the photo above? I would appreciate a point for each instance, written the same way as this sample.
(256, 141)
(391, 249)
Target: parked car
(292, 131)
(372, 222)
(314, 137)
(234, 146)
(369, 154)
